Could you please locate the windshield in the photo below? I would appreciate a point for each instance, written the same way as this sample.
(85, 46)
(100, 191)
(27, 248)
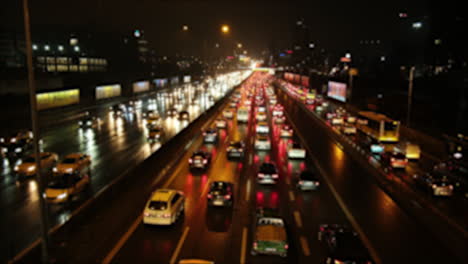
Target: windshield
(69, 161)
(60, 183)
(29, 160)
(157, 205)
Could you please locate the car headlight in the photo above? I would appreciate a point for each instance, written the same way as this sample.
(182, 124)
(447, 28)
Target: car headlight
(62, 196)
(55, 169)
(5, 150)
(13, 140)
(31, 168)
(16, 168)
(69, 170)
(89, 123)
(18, 150)
(2, 140)
(80, 123)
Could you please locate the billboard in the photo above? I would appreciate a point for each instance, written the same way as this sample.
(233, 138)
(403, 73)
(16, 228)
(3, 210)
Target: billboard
(160, 82)
(174, 80)
(305, 81)
(337, 91)
(57, 99)
(187, 78)
(108, 91)
(139, 87)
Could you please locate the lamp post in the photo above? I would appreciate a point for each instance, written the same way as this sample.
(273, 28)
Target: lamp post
(410, 95)
(35, 128)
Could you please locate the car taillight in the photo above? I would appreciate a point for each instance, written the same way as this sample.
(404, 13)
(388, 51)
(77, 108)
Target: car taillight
(261, 175)
(147, 214)
(286, 246)
(392, 159)
(317, 183)
(210, 196)
(205, 161)
(166, 215)
(255, 244)
(275, 176)
(227, 196)
(451, 187)
(301, 182)
(190, 160)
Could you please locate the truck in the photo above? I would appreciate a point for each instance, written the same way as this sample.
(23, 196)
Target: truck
(270, 237)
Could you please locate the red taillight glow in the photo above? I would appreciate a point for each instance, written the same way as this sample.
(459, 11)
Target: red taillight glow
(190, 160)
(255, 245)
(286, 246)
(166, 215)
(205, 161)
(275, 176)
(261, 175)
(227, 196)
(210, 196)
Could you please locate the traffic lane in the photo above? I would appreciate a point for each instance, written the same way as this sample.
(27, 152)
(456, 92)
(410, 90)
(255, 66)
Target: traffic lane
(405, 241)
(195, 187)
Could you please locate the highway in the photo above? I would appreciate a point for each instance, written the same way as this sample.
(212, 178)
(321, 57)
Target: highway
(117, 145)
(113, 232)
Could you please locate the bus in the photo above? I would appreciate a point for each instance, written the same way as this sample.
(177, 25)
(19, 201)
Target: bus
(378, 126)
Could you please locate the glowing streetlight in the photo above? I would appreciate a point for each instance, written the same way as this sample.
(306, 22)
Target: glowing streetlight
(225, 29)
(239, 45)
(185, 28)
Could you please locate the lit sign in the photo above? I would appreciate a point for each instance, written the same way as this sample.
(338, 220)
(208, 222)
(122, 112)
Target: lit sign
(108, 91)
(187, 78)
(57, 99)
(137, 33)
(337, 91)
(142, 86)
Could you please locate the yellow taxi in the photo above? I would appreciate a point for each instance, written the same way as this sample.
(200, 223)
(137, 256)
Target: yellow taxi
(63, 187)
(73, 163)
(164, 207)
(28, 165)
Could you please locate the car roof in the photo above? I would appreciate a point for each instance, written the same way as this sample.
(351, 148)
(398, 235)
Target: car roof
(162, 194)
(73, 156)
(308, 175)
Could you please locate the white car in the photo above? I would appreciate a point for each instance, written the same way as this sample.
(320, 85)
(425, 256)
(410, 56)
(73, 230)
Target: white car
(295, 151)
(351, 119)
(227, 113)
(278, 110)
(262, 142)
(164, 207)
(243, 114)
(262, 127)
(280, 119)
(261, 116)
(210, 135)
(349, 130)
(337, 121)
(221, 123)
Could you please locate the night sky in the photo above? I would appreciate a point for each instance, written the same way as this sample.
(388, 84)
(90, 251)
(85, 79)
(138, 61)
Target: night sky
(256, 24)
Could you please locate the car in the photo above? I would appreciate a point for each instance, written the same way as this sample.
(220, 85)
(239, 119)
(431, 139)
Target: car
(17, 144)
(269, 235)
(261, 109)
(395, 160)
(64, 186)
(149, 114)
(351, 119)
(337, 121)
(343, 245)
(236, 149)
(220, 194)
(28, 166)
(248, 103)
(243, 114)
(330, 115)
(233, 104)
(412, 151)
(184, 115)
(154, 121)
(457, 170)
(228, 113)
(171, 112)
(267, 173)
(278, 110)
(200, 160)
(349, 130)
(273, 101)
(319, 108)
(261, 116)
(73, 163)
(164, 207)
(210, 135)
(280, 119)
(155, 133)
(262, 142)
(296, 151)
(221, 123)
(307, 180)
(437, 182)
(286, 131)
(310, 101)
(89, 121)
(262, 127)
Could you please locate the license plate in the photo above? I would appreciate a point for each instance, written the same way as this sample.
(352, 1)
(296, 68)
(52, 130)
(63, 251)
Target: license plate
(218, 203)
(270, 249)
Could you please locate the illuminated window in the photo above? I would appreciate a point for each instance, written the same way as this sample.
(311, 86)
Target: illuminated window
(51, 68)
(50, 60)
(73, 68)
(83, 68)
(62, 68)
(83, 61)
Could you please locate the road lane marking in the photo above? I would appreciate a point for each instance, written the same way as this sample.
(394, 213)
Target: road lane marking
(122, 240)
(297, 218)
(175, 255)
(291, 196)
(305, 246)
(247, 192)
(243, 245)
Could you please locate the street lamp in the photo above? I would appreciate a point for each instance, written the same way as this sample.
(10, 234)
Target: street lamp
(239, 45)
(185, 28)
(225, 29)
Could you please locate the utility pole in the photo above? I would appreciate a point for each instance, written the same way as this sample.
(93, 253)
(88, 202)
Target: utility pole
(410, 95)
(35, 128)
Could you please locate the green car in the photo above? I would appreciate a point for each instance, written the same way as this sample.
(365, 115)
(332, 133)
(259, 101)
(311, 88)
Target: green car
(270, 236)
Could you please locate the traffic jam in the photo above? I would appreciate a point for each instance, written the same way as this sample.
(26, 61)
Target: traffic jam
(248, 174)
(443, 183)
